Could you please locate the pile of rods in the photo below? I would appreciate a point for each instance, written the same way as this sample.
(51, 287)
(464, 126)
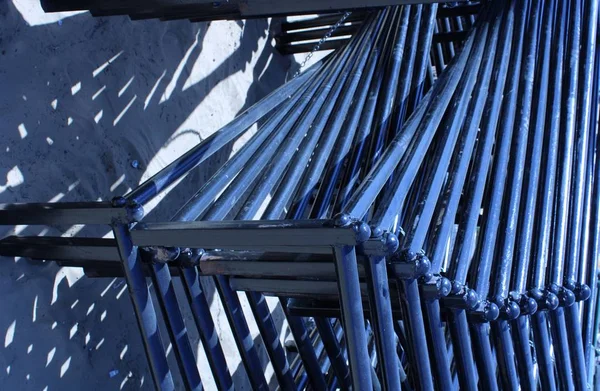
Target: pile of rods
(305, 34)
(490, 174)
(475, 161)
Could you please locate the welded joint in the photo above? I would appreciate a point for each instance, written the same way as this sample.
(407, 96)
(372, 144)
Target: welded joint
(134, 211)
(509, 308)
(436, 288)
(461, 297)
(360, 228)
(381, 243)
(189, 257)
(160, 254)
(485, 311)
(410, 265)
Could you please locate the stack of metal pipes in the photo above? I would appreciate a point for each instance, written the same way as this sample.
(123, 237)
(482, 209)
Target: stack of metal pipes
(428, 217)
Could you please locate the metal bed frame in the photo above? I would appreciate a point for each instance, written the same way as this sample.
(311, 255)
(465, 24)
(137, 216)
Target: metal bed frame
(433, 206)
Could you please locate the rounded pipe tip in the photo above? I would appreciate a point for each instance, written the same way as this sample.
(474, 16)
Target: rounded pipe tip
(444, 286)
(511, 310)
(582, 292)
(342, 220)
(391, 242)
(551, 301)
(376, 232)
(456, 287)
(528, 305)
(471, 298)
(362, 231)
(422, 266)
(119, 202)
(566, 297)
(491, 311)
(135, 212)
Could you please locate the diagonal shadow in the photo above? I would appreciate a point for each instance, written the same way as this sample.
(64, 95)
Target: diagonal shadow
(80, 102)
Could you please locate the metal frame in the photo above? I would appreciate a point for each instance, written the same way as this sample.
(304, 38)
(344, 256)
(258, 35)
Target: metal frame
(409, 193)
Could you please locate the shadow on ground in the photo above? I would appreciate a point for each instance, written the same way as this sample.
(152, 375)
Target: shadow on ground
(88, 108)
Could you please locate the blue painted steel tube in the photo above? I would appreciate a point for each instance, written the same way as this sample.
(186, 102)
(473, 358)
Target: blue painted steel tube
(465, 368)
(562, 266)
(382, 321)
(206, 329)
(353, 317)
(594, 253)
(175, 326)
(182, 165)
(250, 359)
(334, 350)
(144, 309)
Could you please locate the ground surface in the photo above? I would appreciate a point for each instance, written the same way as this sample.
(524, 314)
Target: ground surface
(89, 107)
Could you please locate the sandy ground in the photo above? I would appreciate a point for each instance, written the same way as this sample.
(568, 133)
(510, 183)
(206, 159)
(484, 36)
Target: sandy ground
(89, 107)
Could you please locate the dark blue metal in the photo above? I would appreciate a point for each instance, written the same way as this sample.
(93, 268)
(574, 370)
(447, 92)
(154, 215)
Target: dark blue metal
(352, 316)
(175, 326)
(206, 328)
(144, 309)
(382, 322)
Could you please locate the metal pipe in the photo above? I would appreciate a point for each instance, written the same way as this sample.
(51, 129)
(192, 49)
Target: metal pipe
(144, 309)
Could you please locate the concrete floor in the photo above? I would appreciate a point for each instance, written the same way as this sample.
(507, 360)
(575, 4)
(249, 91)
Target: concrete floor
(83, 102)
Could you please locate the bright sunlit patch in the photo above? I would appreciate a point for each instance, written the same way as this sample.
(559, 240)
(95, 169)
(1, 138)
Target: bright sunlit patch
(29, 349)
(8, 370)
(102, 67)
(27, 377)
(71, 274)
(123, 289)
(14, 178)
(99, 344)
(54, 325)
(56, 198)
(65, 367)
(22, 131)
(153, 90)
(74, 303)
(73, 330)
(107, 288)
(125, 87)
(122, 113)
(49, 141)
(173, 83)
(87, 338)
(34, 315)
(97, 94)
(33, 14)
(10, 334)
(54, 104)
(69, 121)
(103, 316)
(76, 88)
(73, 185)
(50, 356)
(98, 116)
(90, 309)
(118, 182)
(122, 354)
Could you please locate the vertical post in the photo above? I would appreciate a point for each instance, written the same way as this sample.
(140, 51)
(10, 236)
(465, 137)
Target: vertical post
(382, 321)
(334, 351)
(144, 309)
(353, 317)
(206, 328)
(175, 326)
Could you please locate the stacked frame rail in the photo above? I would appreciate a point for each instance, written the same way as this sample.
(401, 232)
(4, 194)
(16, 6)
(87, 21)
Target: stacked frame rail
(426, 211)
